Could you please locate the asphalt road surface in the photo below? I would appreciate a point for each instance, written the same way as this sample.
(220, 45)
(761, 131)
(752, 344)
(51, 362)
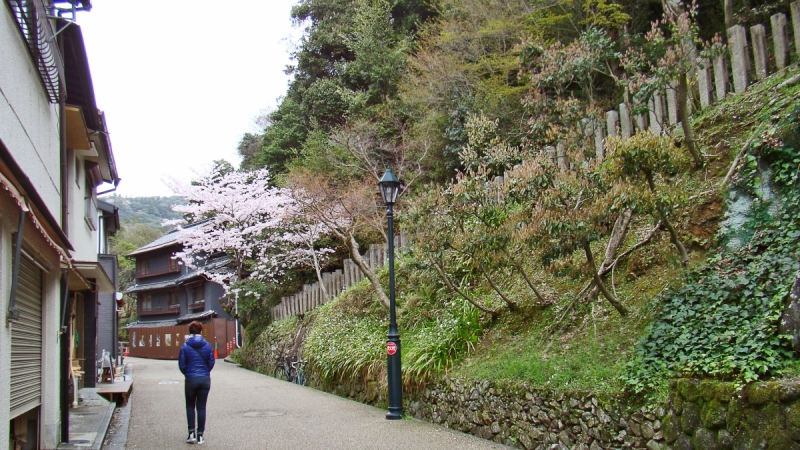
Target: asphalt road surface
(247, 410)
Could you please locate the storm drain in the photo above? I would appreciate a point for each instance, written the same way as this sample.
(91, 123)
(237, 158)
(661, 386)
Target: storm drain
(257, 414)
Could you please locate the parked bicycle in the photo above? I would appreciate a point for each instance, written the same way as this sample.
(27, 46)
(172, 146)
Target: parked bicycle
(291, 370)
(284, 370)
(300, 372)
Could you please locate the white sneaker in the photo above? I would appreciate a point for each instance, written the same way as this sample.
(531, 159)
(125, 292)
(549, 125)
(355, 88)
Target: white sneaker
(200, 440)
(191, 439)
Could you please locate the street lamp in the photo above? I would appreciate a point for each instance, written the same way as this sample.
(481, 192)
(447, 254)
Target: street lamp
(390, 187)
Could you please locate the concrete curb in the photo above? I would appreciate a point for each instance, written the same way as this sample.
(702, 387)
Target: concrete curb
(103, 430)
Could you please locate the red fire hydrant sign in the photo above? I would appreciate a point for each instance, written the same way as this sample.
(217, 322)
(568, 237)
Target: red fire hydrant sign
(391, 348)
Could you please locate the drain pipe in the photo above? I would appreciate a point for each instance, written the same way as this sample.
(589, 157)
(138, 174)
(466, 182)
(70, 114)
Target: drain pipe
(66, 364)
(13, 313)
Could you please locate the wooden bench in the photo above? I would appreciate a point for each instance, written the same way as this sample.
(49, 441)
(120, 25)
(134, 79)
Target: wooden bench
(116, 391)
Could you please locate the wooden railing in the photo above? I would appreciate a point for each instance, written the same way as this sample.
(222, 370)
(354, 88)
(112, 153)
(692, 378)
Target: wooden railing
(335, 282)
(198, 305)
(154, 310)
(171, 267)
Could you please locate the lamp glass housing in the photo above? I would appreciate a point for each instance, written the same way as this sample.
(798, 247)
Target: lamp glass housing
(390, 187)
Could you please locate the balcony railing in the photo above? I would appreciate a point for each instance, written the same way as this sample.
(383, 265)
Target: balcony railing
(31, 17)
(142, 272)
(154, 310)
(197, 305)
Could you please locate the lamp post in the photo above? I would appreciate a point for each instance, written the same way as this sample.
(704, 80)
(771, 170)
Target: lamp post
(390, 187)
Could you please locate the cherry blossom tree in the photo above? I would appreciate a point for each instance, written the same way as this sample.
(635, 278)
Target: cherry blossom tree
(242, 215)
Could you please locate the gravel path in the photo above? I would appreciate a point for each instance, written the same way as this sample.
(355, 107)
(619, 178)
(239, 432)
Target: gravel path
(247, 410)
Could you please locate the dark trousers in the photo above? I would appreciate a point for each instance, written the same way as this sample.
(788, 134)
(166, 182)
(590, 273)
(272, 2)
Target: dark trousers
(196, 391)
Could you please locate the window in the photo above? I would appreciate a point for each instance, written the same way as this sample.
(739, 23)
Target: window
(145, 302)
(198, 293)
(173, 302)
(90, 206)
(142, 267)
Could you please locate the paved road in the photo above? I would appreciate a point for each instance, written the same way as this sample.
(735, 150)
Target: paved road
(247, 410)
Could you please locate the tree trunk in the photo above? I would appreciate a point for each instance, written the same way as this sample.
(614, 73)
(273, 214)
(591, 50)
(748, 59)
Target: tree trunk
(318, 270)
(369, 273)
(673, 235)
(676, 241)
(458, 291)
(519, 268)
(511, 305)
(683, 116)
(599, 282)
(617, 235)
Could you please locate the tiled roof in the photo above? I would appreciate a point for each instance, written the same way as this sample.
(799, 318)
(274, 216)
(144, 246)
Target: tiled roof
(168, 239)
(215, 265)
(172, 322)
(151, 286)
(195, 316)
(158, 323)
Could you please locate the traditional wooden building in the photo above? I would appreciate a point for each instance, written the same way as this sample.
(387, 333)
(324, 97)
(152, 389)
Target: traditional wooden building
(171, 295)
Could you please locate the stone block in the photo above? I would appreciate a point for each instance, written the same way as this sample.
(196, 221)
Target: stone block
(788, 391)
(780, 40)
(758, 36)
(672, 104)
(713, 414)
(612, 123)
(703, 82)
(599, 143)
(626, 127)
(670, 427)
(724, 440)
(705, 439)
(690, 419)
(720, 77)
(760, 393)
(689, 389)
(795, 6)
(683, 443)
(656, 113)
(737, 44)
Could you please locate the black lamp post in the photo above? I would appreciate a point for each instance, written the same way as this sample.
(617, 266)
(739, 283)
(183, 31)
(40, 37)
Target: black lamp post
(390, 187)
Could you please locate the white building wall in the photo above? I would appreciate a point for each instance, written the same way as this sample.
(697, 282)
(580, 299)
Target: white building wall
(28, 122)
(82, 237)
(29, 129)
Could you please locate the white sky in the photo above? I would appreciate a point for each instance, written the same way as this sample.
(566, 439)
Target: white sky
(180, 81)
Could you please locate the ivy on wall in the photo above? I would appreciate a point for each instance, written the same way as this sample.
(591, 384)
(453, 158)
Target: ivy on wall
(723, 322)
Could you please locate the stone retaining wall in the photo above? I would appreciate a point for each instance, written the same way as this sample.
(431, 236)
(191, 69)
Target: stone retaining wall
(525, 417)
(714, 415)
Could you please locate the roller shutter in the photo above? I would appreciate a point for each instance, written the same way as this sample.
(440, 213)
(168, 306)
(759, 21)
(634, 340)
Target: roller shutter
(26, 340)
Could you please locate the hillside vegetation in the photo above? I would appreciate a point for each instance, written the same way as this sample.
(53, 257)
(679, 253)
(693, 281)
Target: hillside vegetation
(607, 272)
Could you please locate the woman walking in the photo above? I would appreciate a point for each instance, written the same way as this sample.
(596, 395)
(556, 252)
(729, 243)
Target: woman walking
(196, 359)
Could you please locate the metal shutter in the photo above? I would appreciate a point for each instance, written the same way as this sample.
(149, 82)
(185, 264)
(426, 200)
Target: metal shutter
(26, 340)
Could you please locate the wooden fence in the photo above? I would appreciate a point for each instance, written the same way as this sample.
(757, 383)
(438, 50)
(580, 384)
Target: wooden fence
(750, 57)
(335, 282)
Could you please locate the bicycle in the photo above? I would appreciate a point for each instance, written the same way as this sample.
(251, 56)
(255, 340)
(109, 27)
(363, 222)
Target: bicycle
(284, 370)
(300, 371)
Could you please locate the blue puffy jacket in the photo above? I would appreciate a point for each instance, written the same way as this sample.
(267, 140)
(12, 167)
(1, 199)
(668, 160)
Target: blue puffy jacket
(196, 359)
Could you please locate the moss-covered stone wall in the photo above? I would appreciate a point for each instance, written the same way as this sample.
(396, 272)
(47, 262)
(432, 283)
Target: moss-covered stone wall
(719, 415)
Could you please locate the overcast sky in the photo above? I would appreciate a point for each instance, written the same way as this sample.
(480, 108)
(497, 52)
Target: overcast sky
(180, 81)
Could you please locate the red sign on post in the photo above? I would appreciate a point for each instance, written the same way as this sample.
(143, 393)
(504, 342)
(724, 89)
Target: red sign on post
(391, 348)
